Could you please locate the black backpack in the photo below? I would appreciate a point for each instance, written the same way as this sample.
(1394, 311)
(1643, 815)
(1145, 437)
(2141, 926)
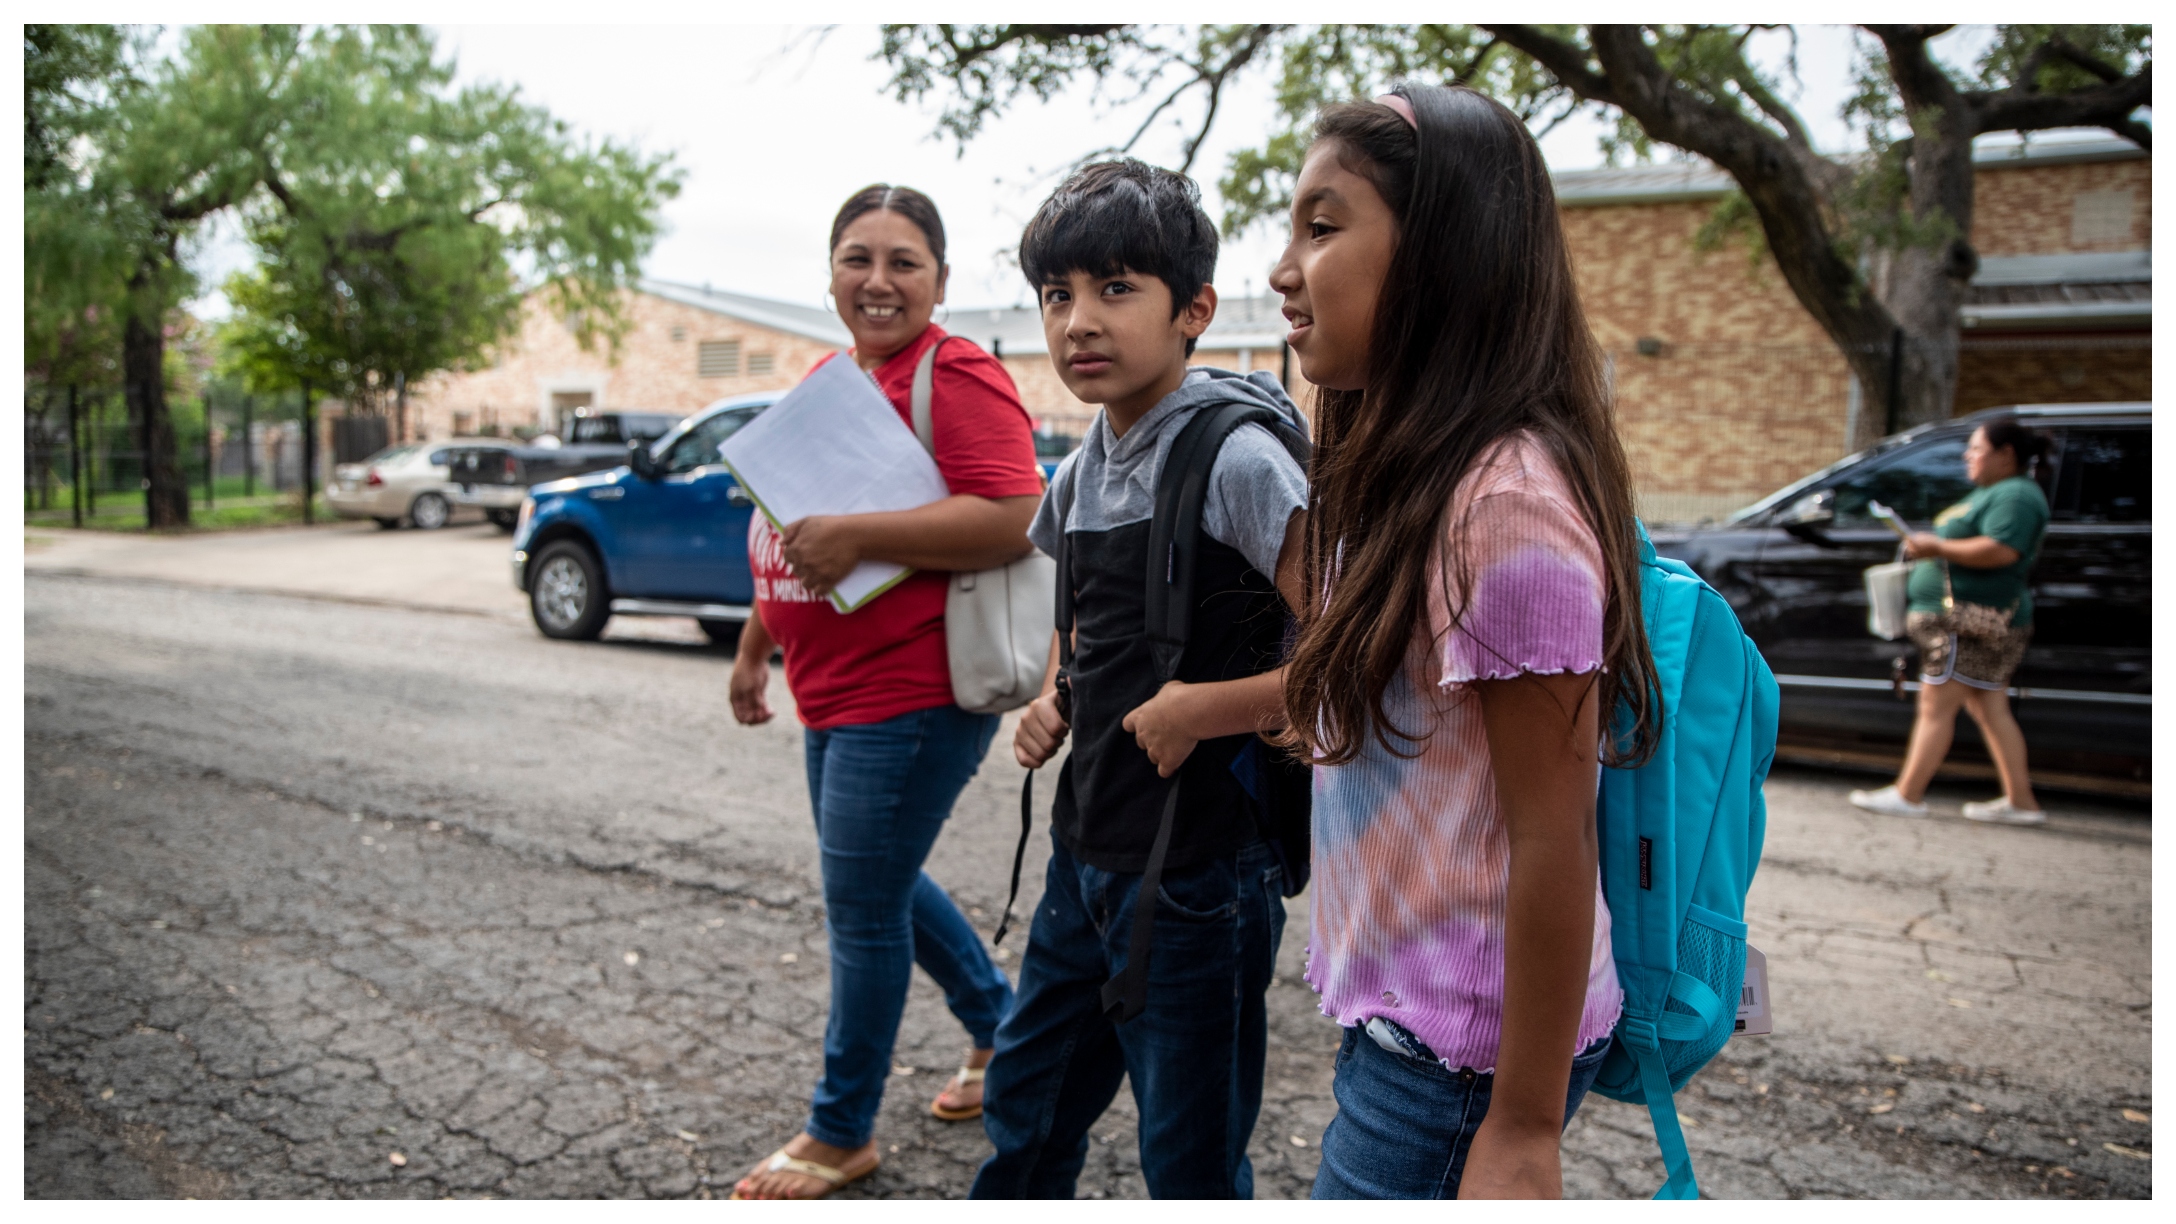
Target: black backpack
(1283, 787)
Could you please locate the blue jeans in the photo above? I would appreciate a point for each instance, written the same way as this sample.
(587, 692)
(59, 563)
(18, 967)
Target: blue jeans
(1195, 1055)
(881, 793)
(1404, 1123)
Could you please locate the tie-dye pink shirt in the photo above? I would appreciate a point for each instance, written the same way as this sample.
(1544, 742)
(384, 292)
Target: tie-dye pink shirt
(1411, 860)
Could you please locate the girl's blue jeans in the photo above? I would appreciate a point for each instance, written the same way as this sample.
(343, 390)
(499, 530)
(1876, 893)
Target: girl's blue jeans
(1405, 1121)
(881, 793)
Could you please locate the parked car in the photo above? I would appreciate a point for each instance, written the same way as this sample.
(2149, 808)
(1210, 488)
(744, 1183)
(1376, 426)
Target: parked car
(1791, 565)
(665, 534)
(408, 481)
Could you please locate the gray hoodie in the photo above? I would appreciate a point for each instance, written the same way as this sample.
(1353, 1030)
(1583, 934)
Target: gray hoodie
(1253, 490)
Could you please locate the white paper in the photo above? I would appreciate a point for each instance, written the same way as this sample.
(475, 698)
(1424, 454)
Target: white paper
(835, 445)
(1755, 1018)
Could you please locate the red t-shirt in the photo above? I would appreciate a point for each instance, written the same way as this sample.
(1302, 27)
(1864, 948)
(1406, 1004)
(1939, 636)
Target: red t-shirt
(887, 657)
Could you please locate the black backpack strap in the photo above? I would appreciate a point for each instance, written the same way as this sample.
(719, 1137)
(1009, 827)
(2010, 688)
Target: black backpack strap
(1174, 549)
(1065, 664)
(1174, 537)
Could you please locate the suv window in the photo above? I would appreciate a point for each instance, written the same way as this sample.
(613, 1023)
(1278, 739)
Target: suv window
(595, 430)
(1918, 483)
(2104, 476)
(699, 446)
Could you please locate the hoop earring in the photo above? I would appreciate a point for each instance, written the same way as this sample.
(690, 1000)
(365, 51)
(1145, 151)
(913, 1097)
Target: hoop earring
(947, 314)
(830, 303)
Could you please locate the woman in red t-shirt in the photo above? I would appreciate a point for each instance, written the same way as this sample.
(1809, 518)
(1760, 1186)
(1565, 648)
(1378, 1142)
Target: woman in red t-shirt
(888, 750)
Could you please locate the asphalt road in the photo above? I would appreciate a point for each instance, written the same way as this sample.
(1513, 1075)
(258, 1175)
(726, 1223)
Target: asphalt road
(325, 899)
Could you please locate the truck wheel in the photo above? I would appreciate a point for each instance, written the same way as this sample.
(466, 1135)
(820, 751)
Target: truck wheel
(386, 524)
(567, 598)
(724, 633)
(429, 512)
(501, 519)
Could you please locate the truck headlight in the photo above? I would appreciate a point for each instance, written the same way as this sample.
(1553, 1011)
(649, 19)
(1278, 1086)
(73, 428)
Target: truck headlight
(521, 521)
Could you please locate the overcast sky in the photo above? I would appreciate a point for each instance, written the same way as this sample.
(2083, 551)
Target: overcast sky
(775, 126)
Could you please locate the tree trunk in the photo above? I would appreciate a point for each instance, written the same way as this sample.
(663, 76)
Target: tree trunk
(143, 366)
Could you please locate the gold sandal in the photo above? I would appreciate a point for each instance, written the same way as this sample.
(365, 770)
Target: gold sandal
(833, 1179)
(966, 1076)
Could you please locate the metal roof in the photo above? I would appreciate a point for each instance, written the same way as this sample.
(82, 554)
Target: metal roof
(1253, 323)
(820, 325)
(1700, 179)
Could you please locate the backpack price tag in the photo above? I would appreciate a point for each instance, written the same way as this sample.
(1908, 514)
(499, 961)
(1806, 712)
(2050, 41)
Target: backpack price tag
(1754, 1018)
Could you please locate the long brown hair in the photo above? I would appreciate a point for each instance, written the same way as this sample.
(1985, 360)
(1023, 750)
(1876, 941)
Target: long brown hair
(1478, 335)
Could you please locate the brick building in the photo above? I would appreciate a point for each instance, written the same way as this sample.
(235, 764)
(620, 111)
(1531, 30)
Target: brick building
(1726, 388)
(686, 347)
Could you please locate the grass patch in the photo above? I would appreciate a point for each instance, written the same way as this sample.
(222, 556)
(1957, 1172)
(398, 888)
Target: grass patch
(279, 510)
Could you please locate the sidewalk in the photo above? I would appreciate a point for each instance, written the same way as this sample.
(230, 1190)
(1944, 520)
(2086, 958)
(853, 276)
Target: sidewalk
(458, 569)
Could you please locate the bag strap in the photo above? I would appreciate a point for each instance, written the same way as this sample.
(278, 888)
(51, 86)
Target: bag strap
(1126, 994)
(1174, 539)
(1174, 549)
(1064, 622)
(925, 382)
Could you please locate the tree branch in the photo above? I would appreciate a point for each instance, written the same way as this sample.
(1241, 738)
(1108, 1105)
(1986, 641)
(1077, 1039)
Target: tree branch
(1785, 183)
(1743, 76)
(2104, 106)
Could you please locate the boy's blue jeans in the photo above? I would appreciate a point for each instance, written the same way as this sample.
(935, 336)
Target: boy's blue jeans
(1195, 1056)
(1405, 1122)
(881, 794)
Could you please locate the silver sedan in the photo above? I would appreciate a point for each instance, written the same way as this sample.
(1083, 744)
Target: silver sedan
(400, 482)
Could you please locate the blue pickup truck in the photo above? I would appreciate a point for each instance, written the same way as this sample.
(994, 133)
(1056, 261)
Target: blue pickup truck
(664, 535)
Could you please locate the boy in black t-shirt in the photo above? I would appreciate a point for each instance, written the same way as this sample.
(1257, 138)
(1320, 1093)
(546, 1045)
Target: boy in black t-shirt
(1121, 257)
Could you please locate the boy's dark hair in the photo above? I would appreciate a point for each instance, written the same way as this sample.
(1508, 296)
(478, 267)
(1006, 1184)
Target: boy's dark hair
(906, 201)
(1119, 216)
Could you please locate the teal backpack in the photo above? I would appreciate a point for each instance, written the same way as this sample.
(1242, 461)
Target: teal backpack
(1680, 838)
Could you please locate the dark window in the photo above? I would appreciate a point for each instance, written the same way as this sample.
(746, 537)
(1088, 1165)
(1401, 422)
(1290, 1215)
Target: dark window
(1917, 482)
(2104, 476)
(699, 446)
(595, 430)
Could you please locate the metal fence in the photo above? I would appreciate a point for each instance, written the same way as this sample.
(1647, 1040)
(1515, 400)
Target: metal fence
(83, 450)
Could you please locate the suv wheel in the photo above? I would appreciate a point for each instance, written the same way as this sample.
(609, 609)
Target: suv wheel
(429, 512)
(567, 598)
(501, 519)
(722, 632)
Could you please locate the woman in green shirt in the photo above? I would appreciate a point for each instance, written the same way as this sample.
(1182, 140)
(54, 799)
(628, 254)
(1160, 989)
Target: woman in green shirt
(1971, 617)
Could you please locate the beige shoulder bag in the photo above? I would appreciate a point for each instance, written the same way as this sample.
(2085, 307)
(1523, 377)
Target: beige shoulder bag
(997, 622)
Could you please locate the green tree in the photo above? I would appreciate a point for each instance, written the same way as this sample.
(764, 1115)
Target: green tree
(1873, 241)
(403, 221)
(398, 218)
(73, 268)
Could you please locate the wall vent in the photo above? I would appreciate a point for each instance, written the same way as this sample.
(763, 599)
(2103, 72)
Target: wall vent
(718, 359)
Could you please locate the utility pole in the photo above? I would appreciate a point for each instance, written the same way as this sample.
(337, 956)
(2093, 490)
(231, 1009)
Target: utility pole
(75, 460)
(249, 448)
(309, 457)
(211, 467)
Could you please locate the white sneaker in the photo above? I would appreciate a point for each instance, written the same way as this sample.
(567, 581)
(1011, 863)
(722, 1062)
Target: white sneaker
(1887, 802)
(1999, 811)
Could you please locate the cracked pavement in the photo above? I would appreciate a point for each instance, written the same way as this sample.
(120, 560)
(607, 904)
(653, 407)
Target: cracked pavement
(311, 885)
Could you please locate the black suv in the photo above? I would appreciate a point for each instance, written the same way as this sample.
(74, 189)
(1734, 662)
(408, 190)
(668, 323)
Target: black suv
(1791, 565)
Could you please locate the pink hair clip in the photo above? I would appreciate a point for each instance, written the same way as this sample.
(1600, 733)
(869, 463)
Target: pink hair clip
(1403, 107)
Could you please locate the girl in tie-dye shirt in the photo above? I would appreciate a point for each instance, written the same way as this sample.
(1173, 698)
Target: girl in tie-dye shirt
(1473, 610)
